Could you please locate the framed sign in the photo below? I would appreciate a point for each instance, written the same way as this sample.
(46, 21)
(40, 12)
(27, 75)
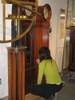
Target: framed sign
(70, 21)
(62, 23)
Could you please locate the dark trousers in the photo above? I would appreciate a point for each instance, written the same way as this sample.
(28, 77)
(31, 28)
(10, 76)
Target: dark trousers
(46, 90)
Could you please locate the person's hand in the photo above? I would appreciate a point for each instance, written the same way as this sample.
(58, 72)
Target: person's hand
(38, 60)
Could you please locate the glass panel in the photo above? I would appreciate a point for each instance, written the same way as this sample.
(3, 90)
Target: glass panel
(28, 48)
(73, 54)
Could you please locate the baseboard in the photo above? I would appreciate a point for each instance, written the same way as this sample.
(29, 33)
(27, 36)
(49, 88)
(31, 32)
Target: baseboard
(5, 98)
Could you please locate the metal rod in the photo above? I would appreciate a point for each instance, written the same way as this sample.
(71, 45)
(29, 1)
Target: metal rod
(29, 19)
(21, 2)
(13, 1)
(4, 27)
(18, 22)
(36, 4)
(16, 52)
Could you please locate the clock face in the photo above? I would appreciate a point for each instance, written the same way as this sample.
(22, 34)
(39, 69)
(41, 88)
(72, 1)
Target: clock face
(45, 12)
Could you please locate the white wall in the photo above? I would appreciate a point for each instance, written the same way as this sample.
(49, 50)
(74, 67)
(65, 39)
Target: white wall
(3, 54)
(56, 44)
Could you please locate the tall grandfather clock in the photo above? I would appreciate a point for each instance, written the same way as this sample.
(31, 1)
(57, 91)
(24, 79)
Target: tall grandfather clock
(38, 36)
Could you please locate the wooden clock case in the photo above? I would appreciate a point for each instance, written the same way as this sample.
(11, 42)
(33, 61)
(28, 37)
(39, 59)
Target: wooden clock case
(38, 36)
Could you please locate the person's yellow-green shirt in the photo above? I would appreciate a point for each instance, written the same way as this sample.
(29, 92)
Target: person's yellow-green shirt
(50, 70)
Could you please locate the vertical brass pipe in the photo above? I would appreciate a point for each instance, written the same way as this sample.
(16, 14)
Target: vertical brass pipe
(36, 1)
(65, 62)
(4, 24)
(18, 21)
(36, 8)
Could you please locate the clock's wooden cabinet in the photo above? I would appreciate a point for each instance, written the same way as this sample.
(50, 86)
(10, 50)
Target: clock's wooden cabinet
(38, 36)
(16, 73)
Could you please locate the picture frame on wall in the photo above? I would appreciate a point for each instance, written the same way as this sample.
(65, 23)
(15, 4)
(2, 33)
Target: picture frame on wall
(62, 23)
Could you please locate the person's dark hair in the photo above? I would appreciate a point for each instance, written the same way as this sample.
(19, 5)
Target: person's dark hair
(44, 53)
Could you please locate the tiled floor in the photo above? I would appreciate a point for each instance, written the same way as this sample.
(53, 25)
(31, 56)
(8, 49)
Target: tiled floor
(67, 93)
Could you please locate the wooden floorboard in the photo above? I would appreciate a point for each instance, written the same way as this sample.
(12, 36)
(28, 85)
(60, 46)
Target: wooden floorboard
(29, 96)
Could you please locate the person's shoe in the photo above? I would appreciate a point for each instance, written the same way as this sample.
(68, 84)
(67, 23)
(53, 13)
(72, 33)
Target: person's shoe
(50, 98)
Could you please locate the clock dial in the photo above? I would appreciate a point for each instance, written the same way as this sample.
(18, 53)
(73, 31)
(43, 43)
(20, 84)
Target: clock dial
(45, 11)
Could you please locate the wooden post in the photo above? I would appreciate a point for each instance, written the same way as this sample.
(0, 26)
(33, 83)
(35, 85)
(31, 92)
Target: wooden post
(16, 74)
